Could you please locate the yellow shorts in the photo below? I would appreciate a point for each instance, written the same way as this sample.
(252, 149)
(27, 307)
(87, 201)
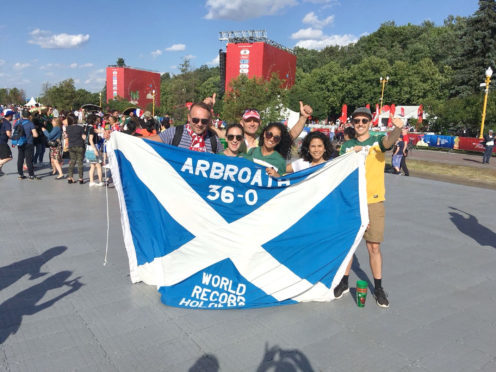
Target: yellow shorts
(375, 231)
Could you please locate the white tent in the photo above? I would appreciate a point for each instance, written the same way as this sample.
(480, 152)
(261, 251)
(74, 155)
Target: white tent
(32, 102)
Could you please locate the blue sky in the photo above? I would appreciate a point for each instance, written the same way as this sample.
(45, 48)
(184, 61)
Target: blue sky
(64, 39)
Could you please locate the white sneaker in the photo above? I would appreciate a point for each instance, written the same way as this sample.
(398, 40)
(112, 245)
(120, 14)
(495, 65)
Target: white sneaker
(99, 184)
(92, 184)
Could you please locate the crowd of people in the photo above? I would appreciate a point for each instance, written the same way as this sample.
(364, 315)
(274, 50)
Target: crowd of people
(81, 136)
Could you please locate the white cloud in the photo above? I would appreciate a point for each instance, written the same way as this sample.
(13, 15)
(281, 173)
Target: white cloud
(214, 62)
(73, 65)
(327, 40)
(84, 65)
(96, 79)
(156, 53)
(243, 9)
(175, 48)
(307, 33)
(2, 62)
(50, 73)
(47, 40)
(21, 66)
(314, 21)
(333, 2)
(189, 56)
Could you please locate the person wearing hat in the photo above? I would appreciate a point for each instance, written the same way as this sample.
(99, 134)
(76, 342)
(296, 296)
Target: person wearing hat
(5, 134)
(489, 144)
(374, 173)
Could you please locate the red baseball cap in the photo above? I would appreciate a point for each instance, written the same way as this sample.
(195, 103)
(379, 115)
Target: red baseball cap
(251, 113)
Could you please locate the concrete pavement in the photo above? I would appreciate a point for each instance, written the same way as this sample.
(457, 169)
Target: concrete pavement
(61, 309)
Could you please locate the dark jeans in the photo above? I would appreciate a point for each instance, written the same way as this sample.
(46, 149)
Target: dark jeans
(39, 152)
(403, 165)
(487, 154)
(76, 154)
(25, 151)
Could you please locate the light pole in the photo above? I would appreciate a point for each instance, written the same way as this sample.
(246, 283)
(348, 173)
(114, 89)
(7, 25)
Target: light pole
(489, 73)
(153, 105)
(100, 99)
(383, 82)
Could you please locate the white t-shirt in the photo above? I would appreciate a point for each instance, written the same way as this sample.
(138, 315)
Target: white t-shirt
(299, 165)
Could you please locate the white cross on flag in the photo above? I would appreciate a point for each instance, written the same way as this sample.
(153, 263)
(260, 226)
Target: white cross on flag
(215, 232)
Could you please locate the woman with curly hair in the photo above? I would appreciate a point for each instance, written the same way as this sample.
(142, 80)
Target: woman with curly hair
(273, 148)
(315, 149)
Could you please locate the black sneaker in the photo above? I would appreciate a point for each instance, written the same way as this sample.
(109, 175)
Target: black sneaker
(34, 178)
(21, 177)
(1, 173)
(340, 290)
(381, 297)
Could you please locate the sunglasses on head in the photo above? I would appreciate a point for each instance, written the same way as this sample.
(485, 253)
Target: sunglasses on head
(251, 109)
(197, 120)
(363, 121)
(270, 135)
(238, 137)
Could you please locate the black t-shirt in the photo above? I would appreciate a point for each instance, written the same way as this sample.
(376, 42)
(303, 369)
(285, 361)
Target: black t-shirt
(90, 131)
(4, 127)
(401, 146)
(74, 135)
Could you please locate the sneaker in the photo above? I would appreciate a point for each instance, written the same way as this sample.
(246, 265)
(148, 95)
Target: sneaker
(1, 173)
(21, 177)
(99, 184)
(91, 184)
(341, 290)
(34, 178)
(381, 297)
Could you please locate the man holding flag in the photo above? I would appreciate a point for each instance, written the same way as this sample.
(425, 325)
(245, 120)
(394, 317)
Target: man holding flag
(374, 172)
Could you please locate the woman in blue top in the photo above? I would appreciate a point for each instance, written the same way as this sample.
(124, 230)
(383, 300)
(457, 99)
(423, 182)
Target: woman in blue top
(54, 138)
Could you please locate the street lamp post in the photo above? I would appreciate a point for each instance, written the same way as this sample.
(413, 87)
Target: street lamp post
(489, 73)
(383, 82)
(100, 99)
(153, 104)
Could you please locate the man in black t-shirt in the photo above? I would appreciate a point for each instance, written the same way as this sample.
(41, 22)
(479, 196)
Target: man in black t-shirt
(5, 134)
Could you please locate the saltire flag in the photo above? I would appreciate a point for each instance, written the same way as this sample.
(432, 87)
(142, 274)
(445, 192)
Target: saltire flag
(344, 114)
(215, 232)
(375, 119)
(420, 114)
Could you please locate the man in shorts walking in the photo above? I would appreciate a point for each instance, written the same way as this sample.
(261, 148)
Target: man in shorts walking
(374, 173)
(5, 134)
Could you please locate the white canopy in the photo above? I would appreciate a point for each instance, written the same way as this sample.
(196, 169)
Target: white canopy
(31, 102)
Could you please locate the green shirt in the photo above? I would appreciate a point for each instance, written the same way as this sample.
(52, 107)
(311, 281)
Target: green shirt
(275, 159)
(374, 166)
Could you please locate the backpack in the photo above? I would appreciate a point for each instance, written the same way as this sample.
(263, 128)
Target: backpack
(179, 133)
(19, 136)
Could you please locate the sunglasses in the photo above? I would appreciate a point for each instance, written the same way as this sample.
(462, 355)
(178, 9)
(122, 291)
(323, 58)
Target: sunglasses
(197, 120)
(251, 109)
(270, 135)
(363, 121)
(231, 137)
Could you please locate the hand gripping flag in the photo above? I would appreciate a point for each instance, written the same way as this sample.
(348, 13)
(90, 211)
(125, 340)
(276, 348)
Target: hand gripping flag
(216, 232)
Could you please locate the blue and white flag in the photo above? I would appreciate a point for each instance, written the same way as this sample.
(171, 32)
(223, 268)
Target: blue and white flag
(215, 232)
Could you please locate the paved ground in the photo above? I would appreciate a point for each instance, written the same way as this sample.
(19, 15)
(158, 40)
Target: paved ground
(61, 309)
(452, 158)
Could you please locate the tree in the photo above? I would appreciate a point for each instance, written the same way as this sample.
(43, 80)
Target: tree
(120, 62)
(478, 50)
(266, 96)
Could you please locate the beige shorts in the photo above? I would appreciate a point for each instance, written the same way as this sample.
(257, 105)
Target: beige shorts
(375, 231)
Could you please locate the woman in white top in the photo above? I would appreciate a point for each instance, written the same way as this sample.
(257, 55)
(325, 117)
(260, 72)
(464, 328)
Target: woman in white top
(315, 149)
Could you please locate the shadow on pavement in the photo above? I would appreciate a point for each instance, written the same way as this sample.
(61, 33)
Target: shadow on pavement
(30, 266)
(25, 302)
(277, 359)
(471, 227)
(362, 275)
(206, 363)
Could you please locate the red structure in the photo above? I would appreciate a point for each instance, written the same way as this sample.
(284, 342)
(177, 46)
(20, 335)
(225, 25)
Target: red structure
(259, 59)
(135, 85)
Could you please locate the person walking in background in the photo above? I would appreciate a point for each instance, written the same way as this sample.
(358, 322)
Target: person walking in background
(397, 156)
(75, 137)
(54, 138)
(5, 134)
(26, 151)
(404, 136)
(489, 144)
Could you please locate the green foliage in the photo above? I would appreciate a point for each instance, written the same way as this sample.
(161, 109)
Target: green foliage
(65, 96)
(120, 62)
(244, 93)
(14, 96)
(119, 104)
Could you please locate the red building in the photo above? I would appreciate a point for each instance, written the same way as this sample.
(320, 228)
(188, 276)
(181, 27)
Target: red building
(135, 85)
(259, 59)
